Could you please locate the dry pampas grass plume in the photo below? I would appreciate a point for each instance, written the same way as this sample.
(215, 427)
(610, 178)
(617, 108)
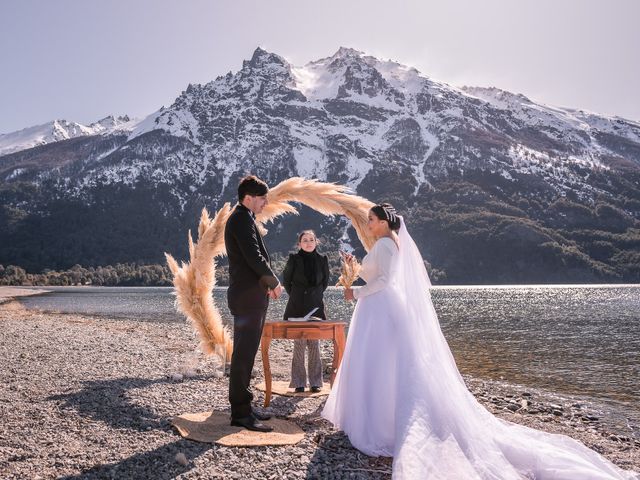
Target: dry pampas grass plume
(350, 271)
(194, 280)
(326, 198)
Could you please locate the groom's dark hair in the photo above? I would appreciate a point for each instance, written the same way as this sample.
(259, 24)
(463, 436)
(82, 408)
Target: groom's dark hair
(252, 185)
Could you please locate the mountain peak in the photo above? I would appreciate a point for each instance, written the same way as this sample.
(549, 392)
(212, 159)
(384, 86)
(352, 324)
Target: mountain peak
(263, 58)
(343, 56)
(111, 121)
(344, 52)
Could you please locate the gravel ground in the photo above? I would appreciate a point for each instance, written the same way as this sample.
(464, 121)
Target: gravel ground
(89, 397)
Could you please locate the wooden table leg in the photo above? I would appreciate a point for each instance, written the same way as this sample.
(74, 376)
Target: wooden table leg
(264, 347)
(338, 351)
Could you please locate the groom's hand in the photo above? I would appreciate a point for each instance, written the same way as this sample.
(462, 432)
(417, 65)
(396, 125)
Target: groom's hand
(276, 292)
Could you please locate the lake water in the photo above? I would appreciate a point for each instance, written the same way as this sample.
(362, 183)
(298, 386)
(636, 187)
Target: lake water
(576, 341)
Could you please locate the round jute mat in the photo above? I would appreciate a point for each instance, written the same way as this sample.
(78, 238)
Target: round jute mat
(213, 427)
(282, 388)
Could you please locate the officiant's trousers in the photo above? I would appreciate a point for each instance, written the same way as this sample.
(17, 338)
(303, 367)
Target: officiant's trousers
(247, 331)
(298, 372)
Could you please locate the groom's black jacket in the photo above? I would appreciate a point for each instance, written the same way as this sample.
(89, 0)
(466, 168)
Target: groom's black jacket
(250, 272)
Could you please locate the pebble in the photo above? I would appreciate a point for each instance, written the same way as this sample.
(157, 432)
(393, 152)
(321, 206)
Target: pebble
(182, 459)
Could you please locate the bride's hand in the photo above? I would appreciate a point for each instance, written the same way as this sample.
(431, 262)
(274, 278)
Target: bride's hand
(348, 294)
(347, 256)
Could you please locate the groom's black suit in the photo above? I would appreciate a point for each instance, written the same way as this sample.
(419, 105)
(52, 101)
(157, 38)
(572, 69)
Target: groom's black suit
(250, 276)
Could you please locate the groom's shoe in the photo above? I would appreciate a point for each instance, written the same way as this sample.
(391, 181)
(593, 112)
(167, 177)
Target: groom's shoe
(250, 423)
(261, 416)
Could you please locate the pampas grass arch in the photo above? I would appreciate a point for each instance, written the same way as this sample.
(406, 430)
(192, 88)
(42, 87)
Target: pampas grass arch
(194, 280)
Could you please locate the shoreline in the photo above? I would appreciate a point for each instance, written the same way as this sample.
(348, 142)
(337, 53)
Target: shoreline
(91, 397)
(8, 294)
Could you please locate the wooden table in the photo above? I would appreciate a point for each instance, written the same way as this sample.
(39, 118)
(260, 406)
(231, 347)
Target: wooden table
(308, 331)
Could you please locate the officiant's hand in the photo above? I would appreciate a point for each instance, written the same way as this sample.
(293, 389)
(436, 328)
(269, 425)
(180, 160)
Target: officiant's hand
(348, 294)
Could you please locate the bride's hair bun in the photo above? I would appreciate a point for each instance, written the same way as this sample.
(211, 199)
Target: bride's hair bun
(386, 211)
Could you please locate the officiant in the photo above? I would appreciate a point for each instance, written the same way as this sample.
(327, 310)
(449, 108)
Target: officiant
(305, 278)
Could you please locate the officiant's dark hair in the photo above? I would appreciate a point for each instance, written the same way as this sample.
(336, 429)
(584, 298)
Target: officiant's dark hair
(386, 212)
(252, 185)
(304, 232)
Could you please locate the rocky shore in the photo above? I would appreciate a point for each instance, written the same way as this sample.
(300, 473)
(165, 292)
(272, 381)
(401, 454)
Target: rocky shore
(92, 397)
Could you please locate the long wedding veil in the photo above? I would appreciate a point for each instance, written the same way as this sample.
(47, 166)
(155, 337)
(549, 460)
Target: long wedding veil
(441, 429)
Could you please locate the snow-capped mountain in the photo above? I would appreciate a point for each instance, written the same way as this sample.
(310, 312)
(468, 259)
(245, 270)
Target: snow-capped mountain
(341, 116)
(443, 154)
(59, 130)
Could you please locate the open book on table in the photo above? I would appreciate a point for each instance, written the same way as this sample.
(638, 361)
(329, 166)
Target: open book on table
(307, 318)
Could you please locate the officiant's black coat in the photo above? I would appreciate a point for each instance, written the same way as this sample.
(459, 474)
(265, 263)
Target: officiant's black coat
(250, 273)
(304, 295)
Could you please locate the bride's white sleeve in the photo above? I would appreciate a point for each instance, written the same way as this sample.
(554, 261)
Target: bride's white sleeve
(382, 258)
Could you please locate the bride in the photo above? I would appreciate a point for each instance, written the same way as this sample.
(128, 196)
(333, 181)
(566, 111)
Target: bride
(398, 391)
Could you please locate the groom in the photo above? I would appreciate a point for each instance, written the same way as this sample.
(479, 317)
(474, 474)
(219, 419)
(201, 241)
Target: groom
(251, 284)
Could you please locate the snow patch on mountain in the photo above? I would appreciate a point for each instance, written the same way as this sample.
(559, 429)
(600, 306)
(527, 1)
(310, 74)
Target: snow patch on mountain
(309, 160)
(179, 123)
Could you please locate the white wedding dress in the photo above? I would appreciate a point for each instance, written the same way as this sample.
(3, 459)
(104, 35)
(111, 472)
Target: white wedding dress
(398, 391)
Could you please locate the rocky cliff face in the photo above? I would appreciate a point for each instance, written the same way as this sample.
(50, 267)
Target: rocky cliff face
(498, 188)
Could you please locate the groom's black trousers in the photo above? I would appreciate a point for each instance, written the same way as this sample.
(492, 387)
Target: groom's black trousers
(247, 331)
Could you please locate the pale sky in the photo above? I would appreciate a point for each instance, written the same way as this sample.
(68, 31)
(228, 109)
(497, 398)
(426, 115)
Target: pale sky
(82, 60)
